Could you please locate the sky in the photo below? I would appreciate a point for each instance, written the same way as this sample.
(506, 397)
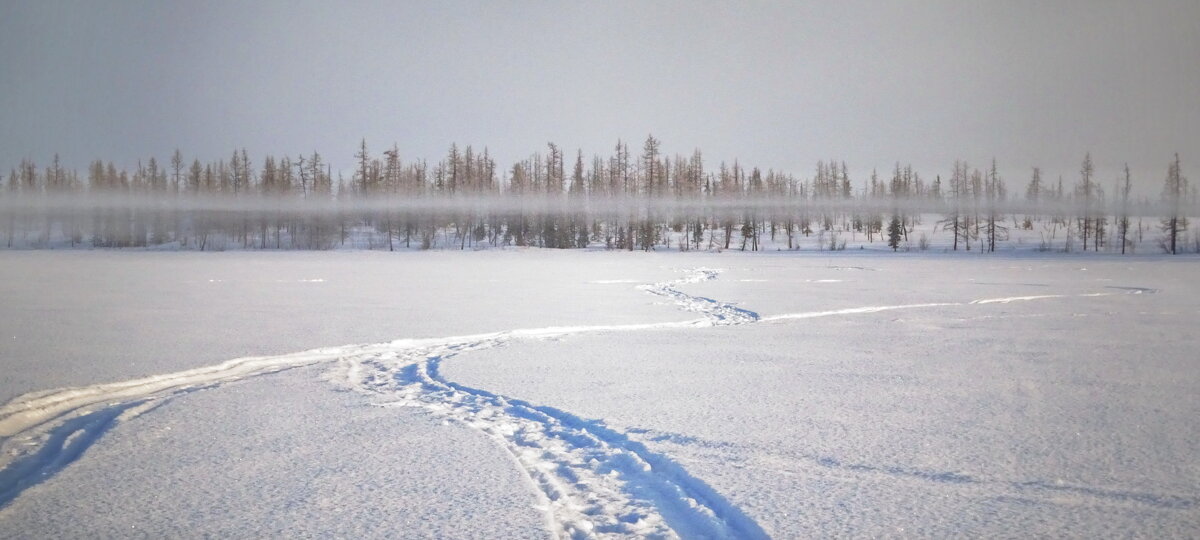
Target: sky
(775, 85)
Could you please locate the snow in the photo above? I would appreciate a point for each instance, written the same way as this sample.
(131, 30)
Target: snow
(1055, 417)
(282, 457)
(81, 317)
(517, 394)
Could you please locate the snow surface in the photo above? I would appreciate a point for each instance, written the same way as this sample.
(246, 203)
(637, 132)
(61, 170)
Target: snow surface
(281, 457)
(515, 394)
(79, 317)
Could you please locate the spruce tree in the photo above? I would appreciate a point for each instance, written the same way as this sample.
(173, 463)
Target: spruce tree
(894, 232)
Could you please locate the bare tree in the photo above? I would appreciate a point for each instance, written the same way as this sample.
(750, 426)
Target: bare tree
(1174, 190)
(1084, 191)
(1123, 220)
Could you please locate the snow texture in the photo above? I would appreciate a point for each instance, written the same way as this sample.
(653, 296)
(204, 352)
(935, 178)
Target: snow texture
(738, 423)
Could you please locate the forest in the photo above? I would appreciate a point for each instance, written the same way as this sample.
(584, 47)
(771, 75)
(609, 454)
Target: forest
(622, 201)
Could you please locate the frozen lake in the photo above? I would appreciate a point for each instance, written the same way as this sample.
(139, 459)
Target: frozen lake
(551, 393)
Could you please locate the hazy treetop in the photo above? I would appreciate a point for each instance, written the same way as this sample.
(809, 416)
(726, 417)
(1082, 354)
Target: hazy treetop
(1029, 82)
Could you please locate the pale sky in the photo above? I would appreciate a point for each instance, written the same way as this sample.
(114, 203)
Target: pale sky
(777, 85)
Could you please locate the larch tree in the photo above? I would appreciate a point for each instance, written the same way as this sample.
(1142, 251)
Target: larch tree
(1084, 191)
(994, 195)
(363, 173)
(1033, 197)
(1174, 190)
(1123, 221)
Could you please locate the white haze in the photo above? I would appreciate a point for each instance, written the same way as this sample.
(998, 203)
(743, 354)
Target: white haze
(541, 205)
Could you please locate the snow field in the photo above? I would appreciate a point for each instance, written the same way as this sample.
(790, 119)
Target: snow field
(749, 421)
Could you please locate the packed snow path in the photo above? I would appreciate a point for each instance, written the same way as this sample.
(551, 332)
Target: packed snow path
(593, 480)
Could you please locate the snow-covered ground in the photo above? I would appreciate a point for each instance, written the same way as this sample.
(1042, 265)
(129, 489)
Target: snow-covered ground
(526, 393)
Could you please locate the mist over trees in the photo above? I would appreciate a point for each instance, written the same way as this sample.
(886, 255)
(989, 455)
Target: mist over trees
(551, 199)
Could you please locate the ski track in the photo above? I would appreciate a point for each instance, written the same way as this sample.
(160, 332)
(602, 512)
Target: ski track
(592, 480)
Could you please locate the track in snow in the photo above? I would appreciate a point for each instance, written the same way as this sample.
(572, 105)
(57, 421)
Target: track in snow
(716, 313)
(618, 486)
(593, 480)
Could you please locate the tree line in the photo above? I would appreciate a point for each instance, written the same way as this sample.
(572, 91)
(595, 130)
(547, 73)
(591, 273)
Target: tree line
(646, 201)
